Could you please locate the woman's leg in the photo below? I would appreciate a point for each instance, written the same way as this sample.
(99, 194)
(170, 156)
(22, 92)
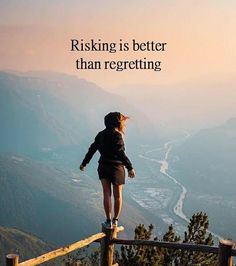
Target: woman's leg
(117, 193)
(106, 185)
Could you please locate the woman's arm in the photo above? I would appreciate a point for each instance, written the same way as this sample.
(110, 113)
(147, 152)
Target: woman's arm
(92, 149)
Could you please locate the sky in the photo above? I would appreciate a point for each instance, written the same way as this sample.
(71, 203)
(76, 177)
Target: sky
(200, 37)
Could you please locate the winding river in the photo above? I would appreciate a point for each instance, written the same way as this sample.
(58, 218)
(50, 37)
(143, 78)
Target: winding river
(178, 207)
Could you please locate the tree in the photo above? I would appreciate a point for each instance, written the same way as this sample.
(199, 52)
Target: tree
(198, 234)
(170, 256)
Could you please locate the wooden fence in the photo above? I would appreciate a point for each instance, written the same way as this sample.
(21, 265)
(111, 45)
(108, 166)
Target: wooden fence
(108, 238)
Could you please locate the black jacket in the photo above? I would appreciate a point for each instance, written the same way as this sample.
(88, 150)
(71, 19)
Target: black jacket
(111, 146)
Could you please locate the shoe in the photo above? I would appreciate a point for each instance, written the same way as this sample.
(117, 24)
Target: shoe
(114, 222)
(107, 224)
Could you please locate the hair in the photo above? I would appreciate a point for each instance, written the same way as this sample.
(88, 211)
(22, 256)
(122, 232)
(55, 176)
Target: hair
(121, 127)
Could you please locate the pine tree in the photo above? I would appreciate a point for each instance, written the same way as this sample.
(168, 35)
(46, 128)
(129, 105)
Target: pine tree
(197, 234)
(170, 256)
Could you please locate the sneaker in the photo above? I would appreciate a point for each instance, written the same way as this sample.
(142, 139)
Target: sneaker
(107, 224)
(115, 222)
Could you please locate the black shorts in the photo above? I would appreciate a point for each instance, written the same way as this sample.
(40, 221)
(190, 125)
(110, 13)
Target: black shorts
(115, 173)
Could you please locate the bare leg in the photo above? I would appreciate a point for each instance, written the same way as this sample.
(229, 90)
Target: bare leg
(106, 185)
(117, 192)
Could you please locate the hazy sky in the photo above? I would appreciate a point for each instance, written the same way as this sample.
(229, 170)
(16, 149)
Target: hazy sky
(200, 36)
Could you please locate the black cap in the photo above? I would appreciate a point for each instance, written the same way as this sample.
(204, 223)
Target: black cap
(112, 120)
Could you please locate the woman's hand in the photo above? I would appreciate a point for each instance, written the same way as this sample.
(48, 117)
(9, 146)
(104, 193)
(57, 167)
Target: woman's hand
(81, 167)
(131, 173)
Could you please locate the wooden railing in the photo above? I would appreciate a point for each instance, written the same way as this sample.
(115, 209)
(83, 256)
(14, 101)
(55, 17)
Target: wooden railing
(108, 238)
(53, 254)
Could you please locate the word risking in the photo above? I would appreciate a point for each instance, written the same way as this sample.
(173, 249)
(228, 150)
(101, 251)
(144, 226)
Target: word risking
(111, 47)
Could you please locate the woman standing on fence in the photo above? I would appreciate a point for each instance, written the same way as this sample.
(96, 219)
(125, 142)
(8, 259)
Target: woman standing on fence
(109, 142)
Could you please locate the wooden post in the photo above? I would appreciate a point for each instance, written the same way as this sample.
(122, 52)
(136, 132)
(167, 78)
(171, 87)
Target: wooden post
(107, 249)
(225, 253)
(12, 260)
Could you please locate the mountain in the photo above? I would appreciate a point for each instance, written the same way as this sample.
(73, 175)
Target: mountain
(94, 103)
(205, 164)
(41, 200)
(31, 117)
(15, 241)
(45, 110)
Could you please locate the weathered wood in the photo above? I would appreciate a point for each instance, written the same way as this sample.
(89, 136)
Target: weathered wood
(171, 245)
(107, 247)
(118, 230)
(225, 253)
(106, 257)
(62, 251)
(12, 260)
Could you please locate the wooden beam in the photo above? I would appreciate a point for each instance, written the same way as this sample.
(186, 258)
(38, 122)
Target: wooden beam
(62, 251)
(107, 247)
(171, 245)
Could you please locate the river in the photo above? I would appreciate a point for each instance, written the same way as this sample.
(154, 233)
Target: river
(164, 166)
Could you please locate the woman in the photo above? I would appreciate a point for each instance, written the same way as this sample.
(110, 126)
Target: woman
(109, 142)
